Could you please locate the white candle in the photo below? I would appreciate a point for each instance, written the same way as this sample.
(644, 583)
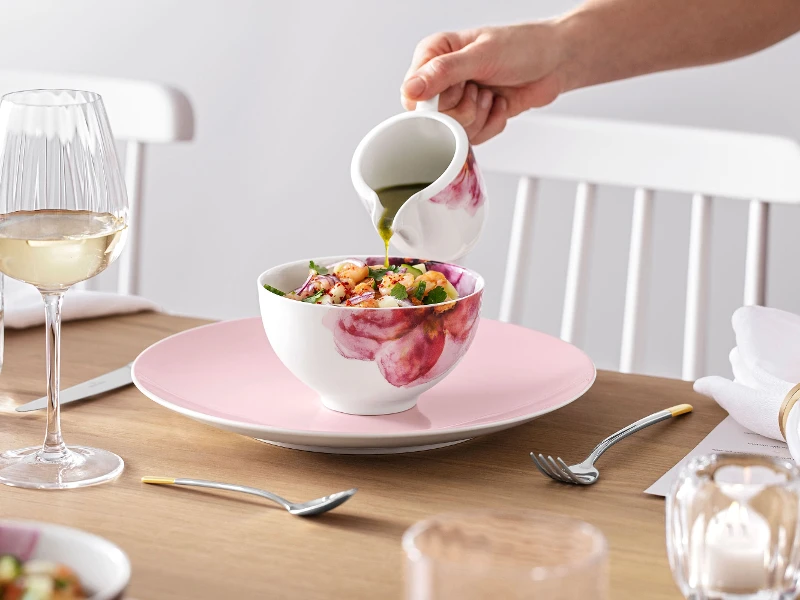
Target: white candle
(736, 546)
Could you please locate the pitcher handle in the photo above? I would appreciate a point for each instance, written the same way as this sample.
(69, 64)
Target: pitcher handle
(431, 105)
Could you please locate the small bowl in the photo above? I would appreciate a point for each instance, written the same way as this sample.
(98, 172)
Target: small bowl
(369, 361)
(102, 568)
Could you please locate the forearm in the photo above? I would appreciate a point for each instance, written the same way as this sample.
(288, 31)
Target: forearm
(607, 40)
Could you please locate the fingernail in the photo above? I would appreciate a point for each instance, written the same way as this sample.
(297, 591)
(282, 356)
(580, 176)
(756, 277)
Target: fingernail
(485, 99)
(502, 104)
(414, 87)
(473, 92)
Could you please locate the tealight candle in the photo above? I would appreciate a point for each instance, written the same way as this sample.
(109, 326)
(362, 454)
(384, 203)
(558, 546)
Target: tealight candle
(736, 544)
(731, 527)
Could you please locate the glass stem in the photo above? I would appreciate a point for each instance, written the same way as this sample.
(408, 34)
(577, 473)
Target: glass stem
(54, 447)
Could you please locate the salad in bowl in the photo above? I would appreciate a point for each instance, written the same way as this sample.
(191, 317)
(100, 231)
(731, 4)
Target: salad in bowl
(368, 338)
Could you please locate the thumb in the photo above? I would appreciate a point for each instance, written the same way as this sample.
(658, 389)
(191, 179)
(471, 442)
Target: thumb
(441, 73)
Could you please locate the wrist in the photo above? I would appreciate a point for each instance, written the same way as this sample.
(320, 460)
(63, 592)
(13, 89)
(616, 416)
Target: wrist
(570, 44)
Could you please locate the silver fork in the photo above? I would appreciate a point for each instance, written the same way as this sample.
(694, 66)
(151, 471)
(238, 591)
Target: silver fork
(584, 473)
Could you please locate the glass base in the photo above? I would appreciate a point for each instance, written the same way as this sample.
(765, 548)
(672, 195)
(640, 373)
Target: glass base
(81, 467)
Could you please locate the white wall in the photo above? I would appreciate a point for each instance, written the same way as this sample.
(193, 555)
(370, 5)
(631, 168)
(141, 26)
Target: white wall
(284, 91)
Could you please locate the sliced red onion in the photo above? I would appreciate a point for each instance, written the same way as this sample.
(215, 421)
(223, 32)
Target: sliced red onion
(19, 541)
(405, 302)
(402, 270)
(332, 279)
(312, 277)
(361, 298)
(354, 261)
(306, 283)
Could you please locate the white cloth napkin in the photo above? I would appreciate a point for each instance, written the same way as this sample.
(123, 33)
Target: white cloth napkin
(766, 365)
(24, 306)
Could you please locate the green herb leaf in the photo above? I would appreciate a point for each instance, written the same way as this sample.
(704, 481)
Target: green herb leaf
(269, 288)
(399, 291)
(315, 267)
(419, 294)
(312, 299)
(435, 296)
(377, 273)
(60, 584)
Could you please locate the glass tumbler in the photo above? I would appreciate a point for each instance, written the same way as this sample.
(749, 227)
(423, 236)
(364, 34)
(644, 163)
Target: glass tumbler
(732, 528)
(509, 555)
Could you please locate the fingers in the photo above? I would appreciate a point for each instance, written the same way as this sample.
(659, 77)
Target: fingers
(466, 110)
(482, 114)
(495, 122)
(442, 72)
(427, 49)
(448, 99)
(484, 106)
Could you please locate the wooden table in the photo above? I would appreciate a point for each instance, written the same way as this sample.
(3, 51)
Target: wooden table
(186, 543)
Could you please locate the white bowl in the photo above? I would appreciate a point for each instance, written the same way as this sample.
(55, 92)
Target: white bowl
(368, 361)
(102, 568)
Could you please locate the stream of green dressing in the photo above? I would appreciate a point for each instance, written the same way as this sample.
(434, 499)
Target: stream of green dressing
(391, 199)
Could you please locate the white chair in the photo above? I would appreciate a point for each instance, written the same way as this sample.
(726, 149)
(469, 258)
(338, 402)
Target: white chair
(647, 158)
(140, 113)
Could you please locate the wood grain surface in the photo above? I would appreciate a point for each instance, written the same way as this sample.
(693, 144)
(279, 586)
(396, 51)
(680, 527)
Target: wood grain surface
(189, 543)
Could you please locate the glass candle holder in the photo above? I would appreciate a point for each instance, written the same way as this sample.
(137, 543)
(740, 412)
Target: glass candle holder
(732, 528)
(505, 554)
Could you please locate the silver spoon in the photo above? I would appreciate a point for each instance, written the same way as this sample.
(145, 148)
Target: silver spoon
(305, 509)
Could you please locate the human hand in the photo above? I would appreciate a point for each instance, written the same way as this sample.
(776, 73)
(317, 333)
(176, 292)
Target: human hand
(486, 76)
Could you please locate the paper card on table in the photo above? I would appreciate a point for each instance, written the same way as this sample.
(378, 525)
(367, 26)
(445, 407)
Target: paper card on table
(729, 438)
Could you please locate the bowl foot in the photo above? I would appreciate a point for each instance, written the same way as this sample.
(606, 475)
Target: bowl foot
(368, 407)
(345, 450)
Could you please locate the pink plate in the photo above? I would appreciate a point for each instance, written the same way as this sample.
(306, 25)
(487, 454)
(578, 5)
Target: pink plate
(227, 375)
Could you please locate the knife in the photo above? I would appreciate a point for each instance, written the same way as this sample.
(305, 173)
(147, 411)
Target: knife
(99, 385)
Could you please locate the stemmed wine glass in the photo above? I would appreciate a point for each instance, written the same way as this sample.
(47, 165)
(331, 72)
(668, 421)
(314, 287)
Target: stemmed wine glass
(63, 211)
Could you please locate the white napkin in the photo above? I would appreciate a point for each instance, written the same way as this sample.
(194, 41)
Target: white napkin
(766, 365)
(24, 306)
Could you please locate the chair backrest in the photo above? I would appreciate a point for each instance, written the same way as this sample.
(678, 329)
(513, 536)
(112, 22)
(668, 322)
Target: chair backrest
(647, 158)
(140, 113)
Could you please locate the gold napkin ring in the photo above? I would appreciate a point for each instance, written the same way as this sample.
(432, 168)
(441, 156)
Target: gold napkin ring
(788, 403)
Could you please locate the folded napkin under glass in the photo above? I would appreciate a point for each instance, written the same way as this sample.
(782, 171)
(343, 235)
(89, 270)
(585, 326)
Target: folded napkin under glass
(766, 371)
(24, 306)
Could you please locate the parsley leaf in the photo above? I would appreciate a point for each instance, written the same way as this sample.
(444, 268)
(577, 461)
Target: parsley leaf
(312, 299)
(378, 273)
(314, 266)
(399, 291)
(419, 294)
(269, 288)
(435, 296)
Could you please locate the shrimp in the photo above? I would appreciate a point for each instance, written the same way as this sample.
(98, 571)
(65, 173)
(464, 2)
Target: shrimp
(391, 279)
(316, 284)
(368, 285)
(434, 279)
(351, 273)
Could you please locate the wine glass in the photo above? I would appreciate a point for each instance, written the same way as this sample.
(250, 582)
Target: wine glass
(63, 211)
(505, 554)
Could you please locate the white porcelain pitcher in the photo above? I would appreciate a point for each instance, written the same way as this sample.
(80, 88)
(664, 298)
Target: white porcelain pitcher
(444, 220)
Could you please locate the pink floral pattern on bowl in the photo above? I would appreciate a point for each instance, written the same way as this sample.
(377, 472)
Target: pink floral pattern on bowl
(411, 346)
(466, 191)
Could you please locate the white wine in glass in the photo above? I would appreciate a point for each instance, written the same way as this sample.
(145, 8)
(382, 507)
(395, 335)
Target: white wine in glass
(63, 211)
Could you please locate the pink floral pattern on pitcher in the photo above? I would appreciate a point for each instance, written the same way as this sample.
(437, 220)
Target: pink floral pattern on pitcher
(466, 191)
(411, 346)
